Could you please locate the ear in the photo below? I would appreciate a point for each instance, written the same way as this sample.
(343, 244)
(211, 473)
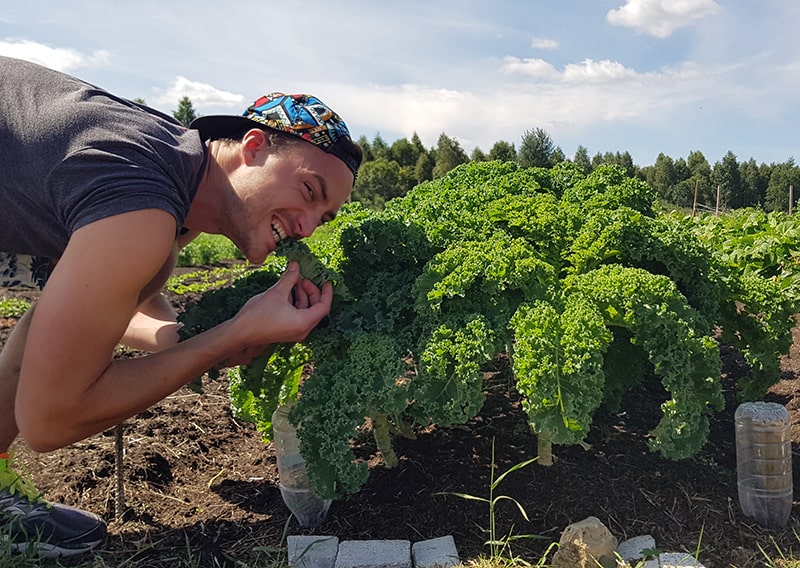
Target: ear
(253, 142)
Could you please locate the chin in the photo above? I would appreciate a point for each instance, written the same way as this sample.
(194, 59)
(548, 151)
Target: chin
(259, 258)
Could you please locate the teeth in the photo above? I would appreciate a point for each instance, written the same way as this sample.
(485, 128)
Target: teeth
(277, 233)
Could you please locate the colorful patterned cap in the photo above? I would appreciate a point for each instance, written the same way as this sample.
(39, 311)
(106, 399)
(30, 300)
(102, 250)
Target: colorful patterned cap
(304, 116)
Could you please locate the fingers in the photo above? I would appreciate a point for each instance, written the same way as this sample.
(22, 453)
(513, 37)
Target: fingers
(287, 312)
(290, 277)
(306, 294)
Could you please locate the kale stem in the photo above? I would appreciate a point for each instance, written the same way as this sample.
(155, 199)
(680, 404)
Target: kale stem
(380, 430)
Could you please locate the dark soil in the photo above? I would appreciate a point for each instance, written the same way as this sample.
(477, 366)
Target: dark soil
(200, 483)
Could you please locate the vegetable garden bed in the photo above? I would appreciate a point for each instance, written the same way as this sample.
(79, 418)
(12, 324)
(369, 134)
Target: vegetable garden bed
(202, 486)
(479, 306)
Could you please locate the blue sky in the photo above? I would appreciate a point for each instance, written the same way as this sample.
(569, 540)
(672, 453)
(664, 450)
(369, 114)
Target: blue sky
(643, 76)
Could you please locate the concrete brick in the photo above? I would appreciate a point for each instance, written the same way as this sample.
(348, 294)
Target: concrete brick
(374, 554)
(632, 548)
(678, 560)
(435, 553)
(312, 551)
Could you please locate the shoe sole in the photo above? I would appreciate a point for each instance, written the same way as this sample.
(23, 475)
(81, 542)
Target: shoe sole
(45, 550)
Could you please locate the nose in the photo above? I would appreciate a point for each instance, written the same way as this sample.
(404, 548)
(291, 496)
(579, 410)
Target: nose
(307, 223)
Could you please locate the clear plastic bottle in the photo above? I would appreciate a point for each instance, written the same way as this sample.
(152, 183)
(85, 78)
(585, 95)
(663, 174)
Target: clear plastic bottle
(764, 462)
(296, 489)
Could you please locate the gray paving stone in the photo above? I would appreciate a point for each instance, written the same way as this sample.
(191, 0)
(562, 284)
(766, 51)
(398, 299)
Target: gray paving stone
(312, 551)
(374, 554)
(632, 548)
(435, 553)
(678, 560)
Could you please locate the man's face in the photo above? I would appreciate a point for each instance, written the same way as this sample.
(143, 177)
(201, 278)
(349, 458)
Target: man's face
(282, 192)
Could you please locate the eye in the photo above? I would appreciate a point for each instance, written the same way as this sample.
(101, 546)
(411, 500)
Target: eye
(310, 190)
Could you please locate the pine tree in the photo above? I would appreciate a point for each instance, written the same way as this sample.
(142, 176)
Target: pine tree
(185, 112)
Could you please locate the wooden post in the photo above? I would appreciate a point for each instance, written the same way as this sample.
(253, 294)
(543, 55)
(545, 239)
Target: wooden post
(791, 198)
(119, 502)
(718, 193)
(696, 194)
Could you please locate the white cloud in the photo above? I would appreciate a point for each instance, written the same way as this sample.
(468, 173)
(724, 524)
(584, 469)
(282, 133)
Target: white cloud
(404, 109)
(58, 58)
(565, 102)
(544, 43)
(660, 18)
(587, 70)
(201, 95)
(533, 67)
(733, 85)
(597, 71)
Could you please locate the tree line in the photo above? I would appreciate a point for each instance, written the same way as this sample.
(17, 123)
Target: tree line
(391, 170)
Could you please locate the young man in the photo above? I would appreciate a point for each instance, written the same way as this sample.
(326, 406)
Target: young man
(110, 190)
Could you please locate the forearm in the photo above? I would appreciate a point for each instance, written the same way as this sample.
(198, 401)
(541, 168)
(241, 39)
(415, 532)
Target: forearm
(125, 388)
(68, 389)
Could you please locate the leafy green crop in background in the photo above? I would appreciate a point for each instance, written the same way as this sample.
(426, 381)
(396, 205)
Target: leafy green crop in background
(13, 307)
(208, 250)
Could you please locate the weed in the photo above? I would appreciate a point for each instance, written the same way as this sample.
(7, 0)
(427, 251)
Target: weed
(498, 545)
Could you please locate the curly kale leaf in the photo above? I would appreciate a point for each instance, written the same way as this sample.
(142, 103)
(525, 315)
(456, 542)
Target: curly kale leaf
(311, 268)
(674, 336)
(558, 363)
(627, 237)
(609, 187)
(271, 380)
(453, 208)
(366, 380)
(490, 278)
(448, 388)
(360, 350)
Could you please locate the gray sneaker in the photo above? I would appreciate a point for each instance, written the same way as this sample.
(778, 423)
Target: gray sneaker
(51, 530)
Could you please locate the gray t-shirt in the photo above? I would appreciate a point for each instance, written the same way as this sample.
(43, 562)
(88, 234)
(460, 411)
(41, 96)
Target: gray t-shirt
(72, 153)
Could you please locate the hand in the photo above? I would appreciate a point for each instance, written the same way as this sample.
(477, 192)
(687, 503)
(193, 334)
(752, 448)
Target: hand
(243, 357)
(286, 313)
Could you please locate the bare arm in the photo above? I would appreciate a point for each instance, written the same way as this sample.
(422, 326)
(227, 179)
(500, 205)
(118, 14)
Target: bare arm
(70, 387)
(153, 327)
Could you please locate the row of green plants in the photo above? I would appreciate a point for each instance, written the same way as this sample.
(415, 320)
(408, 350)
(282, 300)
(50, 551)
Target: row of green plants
(13, 307)
(576, 278)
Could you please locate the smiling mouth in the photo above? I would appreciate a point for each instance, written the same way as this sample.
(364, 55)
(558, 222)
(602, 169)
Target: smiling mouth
(277, 233)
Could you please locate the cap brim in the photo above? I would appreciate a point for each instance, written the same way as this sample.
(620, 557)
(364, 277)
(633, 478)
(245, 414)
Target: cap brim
(214, 127)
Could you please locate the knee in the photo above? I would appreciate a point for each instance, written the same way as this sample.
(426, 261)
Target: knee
(40, 430)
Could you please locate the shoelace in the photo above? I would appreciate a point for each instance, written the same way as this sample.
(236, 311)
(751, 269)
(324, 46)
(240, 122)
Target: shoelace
(17, 484)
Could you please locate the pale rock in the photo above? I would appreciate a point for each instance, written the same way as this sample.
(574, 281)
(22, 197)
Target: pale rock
(586, 544)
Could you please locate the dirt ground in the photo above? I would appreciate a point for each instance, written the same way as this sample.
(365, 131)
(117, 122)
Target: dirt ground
(199, 482)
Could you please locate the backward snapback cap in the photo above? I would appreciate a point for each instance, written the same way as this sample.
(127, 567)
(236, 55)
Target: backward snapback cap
(302, 115)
